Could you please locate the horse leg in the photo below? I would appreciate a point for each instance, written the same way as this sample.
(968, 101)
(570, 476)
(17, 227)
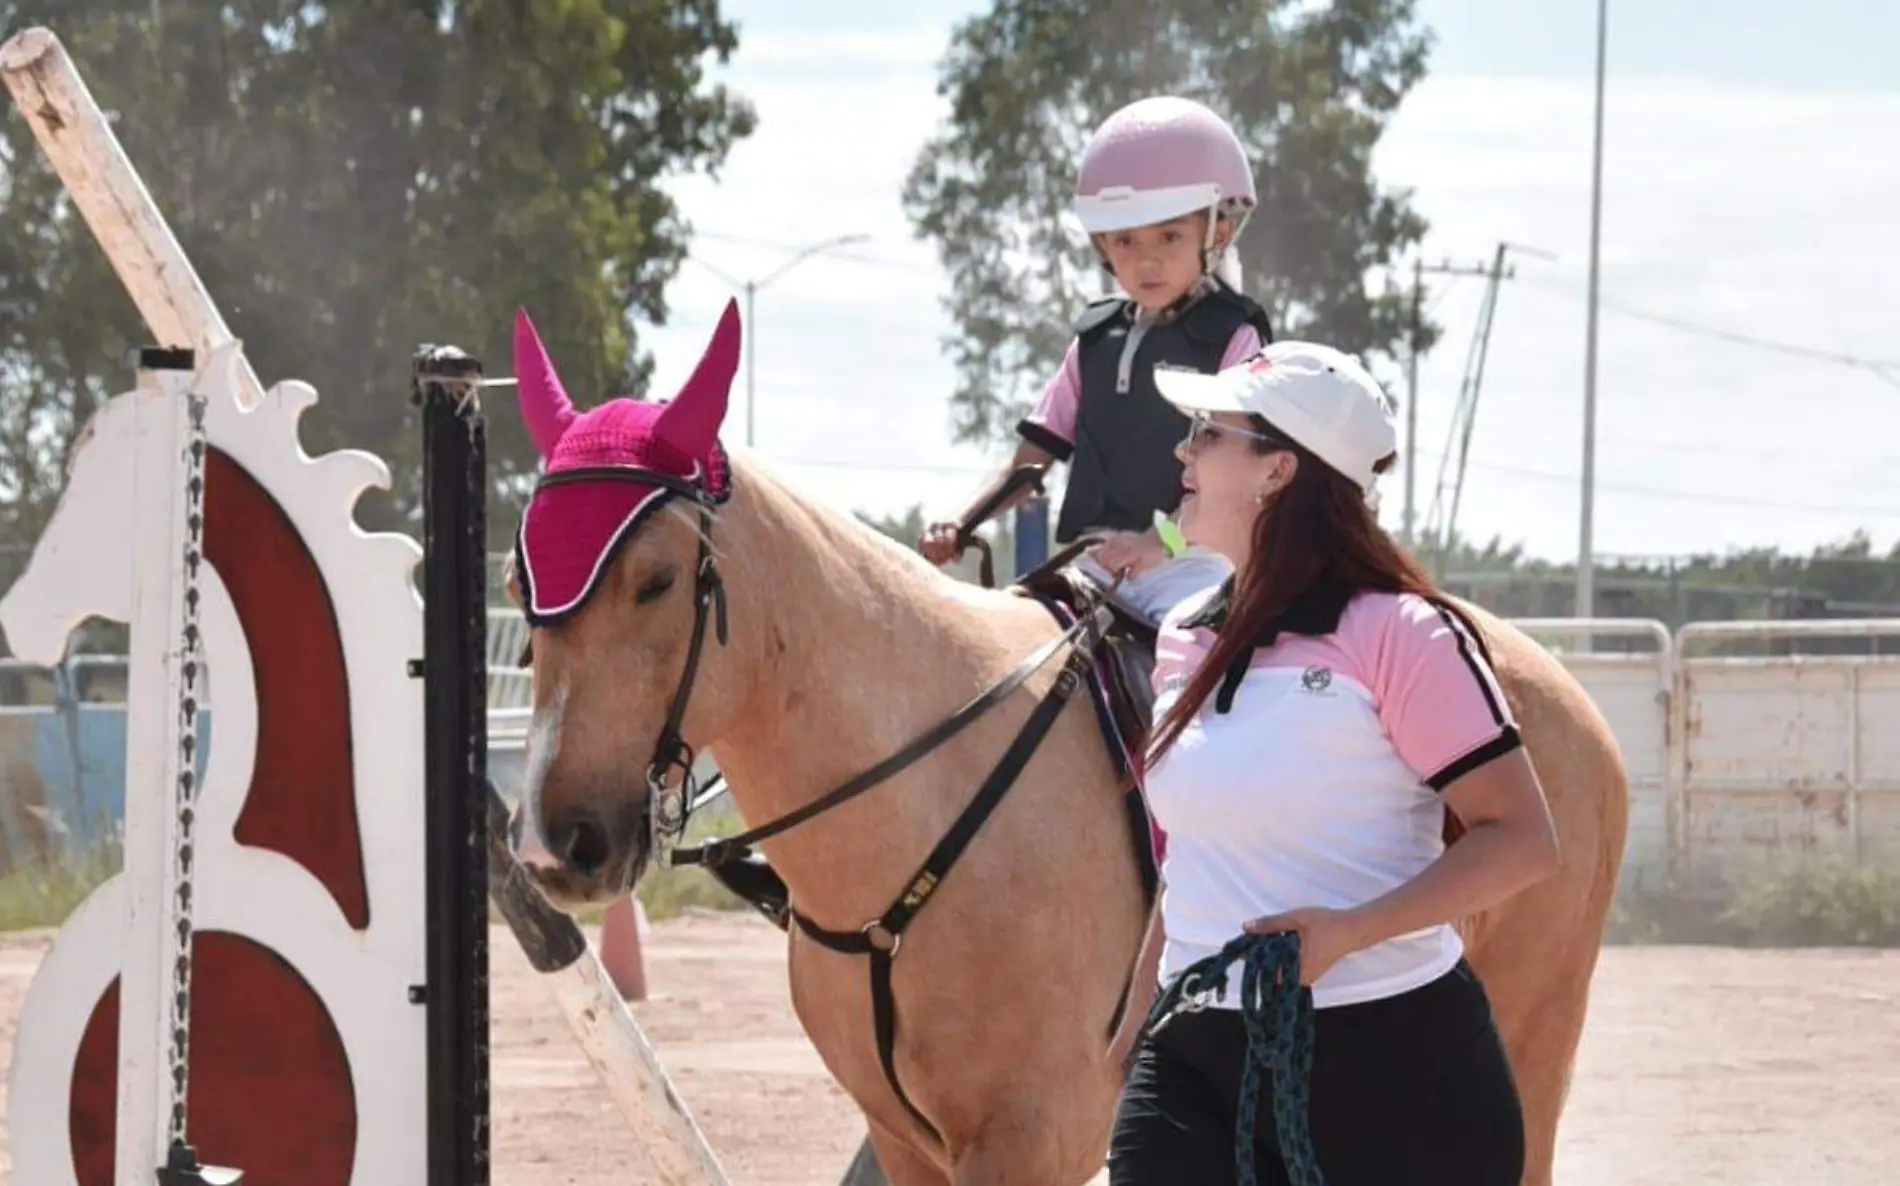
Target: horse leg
(1543, 1029)
(1540, 998)
(901, 1164)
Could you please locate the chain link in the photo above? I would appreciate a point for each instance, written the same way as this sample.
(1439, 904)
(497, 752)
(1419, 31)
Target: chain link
(191, 673)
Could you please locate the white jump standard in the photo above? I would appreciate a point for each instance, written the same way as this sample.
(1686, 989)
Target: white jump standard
(331, 1011)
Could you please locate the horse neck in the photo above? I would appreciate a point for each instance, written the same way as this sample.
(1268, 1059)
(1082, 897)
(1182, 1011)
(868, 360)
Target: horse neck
(854, 648)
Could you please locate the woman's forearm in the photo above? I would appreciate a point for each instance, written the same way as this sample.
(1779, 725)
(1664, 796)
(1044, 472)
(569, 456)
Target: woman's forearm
(1486, 865)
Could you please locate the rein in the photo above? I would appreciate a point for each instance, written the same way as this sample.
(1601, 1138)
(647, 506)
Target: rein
(1023, 477)
(1277, 1012)
(718, 852)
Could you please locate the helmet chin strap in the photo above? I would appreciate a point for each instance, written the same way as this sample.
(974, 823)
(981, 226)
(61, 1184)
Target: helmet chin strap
(1210, 256)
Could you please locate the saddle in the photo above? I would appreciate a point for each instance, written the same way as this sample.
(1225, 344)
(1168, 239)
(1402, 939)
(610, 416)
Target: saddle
(1129, 642)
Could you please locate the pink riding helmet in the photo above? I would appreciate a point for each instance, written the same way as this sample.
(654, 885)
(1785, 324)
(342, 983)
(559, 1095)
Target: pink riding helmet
(1158, 159)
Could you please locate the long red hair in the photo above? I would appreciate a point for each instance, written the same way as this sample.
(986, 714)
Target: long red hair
(1318, 528)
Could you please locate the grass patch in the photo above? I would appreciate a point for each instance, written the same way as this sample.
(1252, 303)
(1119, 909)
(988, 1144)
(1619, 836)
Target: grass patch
(1831, 902)
(1814, 901)
(667, 892)
(44, 894)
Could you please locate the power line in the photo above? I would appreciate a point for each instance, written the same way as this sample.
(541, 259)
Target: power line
(1464, 416)
(1451, 272)
(1663, 492)
(1637, 489)
(905, 467)
(1877, 366)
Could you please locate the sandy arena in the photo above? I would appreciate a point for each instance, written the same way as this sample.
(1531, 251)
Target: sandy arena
(1700, 1065)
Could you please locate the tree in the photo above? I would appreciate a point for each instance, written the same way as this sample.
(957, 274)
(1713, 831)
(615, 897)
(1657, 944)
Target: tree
(353, 178)
(1308, 90)
(908, 527)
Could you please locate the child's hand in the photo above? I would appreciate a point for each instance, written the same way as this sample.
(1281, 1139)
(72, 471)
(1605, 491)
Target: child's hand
(939, 543)
(1130, 552)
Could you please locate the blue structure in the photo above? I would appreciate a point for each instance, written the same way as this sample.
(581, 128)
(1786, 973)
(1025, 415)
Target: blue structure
(1032, 534)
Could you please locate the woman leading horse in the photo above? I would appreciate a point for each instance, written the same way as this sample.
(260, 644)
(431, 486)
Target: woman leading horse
(1317, 716)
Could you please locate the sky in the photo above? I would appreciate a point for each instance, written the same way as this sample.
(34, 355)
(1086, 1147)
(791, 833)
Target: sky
(1750, 176)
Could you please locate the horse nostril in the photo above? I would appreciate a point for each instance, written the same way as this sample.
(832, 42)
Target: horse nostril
(585, 846)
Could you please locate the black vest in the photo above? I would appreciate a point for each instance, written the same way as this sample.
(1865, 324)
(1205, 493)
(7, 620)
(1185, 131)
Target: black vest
(1124, 469)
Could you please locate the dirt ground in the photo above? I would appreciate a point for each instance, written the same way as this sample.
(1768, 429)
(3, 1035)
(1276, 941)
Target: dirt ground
(1699, 1065)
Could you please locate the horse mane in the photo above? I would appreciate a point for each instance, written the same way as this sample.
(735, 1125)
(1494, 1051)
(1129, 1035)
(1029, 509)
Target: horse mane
(871, 556)
(870, 553)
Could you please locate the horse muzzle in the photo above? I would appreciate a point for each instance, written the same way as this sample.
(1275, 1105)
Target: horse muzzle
(590, 857)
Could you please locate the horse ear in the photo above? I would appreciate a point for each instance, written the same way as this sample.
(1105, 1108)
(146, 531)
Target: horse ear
(545, 408)
(691, 422)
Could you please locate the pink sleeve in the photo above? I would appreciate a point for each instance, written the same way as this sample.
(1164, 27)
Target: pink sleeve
(1242, 346)
(1061, 399)
(1436, 692)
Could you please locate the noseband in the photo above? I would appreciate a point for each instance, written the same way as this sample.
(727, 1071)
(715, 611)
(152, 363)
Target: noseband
(670, 807)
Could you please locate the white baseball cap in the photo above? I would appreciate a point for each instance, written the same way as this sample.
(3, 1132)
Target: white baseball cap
(1321, 398)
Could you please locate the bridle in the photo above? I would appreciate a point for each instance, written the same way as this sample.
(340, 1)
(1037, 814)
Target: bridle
(879, 939)
(670, 807)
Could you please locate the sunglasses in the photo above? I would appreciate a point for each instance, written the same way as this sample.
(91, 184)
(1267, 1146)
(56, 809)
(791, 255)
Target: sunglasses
(1204, 429)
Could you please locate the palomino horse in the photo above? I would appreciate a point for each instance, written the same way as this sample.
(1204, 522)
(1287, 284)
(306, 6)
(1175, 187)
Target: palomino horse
(803, 649)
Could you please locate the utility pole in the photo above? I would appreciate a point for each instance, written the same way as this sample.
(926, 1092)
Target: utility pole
(1464, 417)
(751, 289)
(1411, 402)
(1408, 526)
(1586, 548)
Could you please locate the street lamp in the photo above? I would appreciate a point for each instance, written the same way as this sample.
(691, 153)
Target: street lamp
(1586, 552)
(751, 288)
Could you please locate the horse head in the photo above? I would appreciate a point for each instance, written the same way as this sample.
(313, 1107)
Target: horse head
(81, 565)
(614, 570)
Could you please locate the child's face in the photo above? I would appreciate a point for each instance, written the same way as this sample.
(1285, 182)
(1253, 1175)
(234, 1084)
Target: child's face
(1156, 265)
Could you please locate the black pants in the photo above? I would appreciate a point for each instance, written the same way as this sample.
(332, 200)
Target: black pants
(1412, 1090)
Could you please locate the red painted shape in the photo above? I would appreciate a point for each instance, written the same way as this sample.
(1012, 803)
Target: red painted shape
(302, 798)
(271, 1092)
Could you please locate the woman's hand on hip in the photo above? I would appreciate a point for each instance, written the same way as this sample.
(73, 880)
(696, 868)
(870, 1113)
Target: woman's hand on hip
(1326, 936)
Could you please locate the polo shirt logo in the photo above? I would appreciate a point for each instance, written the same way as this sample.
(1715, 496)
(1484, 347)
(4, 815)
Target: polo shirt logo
(1317, 679)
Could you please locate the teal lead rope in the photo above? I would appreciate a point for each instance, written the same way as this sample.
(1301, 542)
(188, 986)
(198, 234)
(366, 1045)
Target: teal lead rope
(1278, 1015)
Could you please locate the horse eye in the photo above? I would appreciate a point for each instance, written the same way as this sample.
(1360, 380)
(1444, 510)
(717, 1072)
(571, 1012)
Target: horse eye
(655, 588)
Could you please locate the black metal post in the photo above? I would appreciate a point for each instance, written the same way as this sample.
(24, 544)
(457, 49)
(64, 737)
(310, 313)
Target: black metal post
(453, 668)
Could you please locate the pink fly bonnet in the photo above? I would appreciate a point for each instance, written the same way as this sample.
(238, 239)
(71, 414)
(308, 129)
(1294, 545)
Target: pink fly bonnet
(610, 468)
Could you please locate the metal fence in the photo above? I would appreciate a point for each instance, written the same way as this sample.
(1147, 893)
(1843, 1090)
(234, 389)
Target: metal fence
(1747, 741)
(1743, 740)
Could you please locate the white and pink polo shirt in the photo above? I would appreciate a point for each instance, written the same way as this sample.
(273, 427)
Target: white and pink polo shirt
(1311, 776)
